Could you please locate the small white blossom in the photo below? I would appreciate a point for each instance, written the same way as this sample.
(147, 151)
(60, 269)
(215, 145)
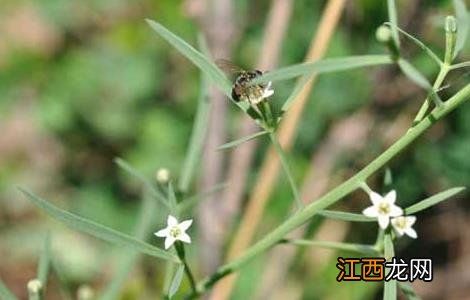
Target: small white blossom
(267, 92)
(175, 231)
(402, 225)
(34, 286)
(383, 208)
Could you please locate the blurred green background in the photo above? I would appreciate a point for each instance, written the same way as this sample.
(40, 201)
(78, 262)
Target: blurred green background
(83, 82)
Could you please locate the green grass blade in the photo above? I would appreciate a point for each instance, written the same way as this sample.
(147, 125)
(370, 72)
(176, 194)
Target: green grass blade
(414, 75)
(433, 200)
(345, 216)
(45, 261)
(145, 182)
(420, 44)
(5, 293)
(393, 17)
(464, 64)
(327, 65)
(463, 25)
(196, 142)
(390, 287)
(97, 230)
(190, 202)
(196, 57)
(358, 248)
(301, 82)
(408, 290)
(241, 140)
(129, 258)
(176, 282)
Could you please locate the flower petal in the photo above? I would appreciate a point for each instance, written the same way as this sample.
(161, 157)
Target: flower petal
(411, 233)
(371, 211)
(169, 241)
(375, 198)
(391, 197)
(162, 233)
(383, 221)
(410, 220)
(395, 211)
(185, 224)
(172, 221)
(268, 93)
(184, 237)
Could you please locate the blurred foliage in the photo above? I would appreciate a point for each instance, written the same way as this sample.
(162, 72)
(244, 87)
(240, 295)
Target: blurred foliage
(91, 82)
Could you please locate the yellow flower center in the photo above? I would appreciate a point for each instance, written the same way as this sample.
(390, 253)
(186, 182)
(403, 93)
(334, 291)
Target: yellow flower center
(384, 208)
(175, 231)
(401, 223)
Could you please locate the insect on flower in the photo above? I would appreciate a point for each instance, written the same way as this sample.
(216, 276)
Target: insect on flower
(241, 89)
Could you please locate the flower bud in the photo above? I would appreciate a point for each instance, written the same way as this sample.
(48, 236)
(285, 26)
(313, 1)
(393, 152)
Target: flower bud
(34, 286)
(451, 24)
(85, 292)
(163, 176)
(383, 34)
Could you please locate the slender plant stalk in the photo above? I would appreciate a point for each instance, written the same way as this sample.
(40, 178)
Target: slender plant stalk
(334, 195)
(285, 166)
(187, 270)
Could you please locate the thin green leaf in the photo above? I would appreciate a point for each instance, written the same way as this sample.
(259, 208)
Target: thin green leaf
(45, 260)
(176, 282)
(433, 200)
(323, 66)
(464, 64)
(345, 216)
(241, 140)
(190, 202)
(358, 248)
(414, 75)
(129, 258)
(201, 123)
(393, 17)
(417, 42)
(145, 182)
(196, 57)
(172, 200)
(408, 290)
(5, 292)
(95, 229)
(390, 287)
(463, 25)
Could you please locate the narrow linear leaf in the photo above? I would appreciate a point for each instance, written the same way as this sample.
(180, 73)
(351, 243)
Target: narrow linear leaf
(323, 66)
(176, 282)
(417, 42)
(464, 64)
(299, 86)
(463, 25)
(358, 248)
(393, 17)
(196, 142)
(95, 229)
(433, 200)
(408, 290)
(390, 287)
(45, 260)
(172, 200)
(241, 140)
(145, 182)
(129, 258)
(196, 57)
(190, 202)
(5, 292)
(345, 216)
(414, 75)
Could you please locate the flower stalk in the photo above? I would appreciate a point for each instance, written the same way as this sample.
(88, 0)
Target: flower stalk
(187, 270)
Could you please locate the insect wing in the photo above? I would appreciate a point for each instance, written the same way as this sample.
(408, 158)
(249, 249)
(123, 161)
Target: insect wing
(228, 66)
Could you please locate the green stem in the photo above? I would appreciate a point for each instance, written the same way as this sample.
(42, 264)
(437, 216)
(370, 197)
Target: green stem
(437, 84)
(358, 248)
(285, 166)
(334, 195)
(187, 270)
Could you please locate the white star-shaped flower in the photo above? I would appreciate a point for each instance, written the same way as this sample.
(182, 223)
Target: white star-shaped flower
(402, 225)
(175, 231)
(383, 208)
(267, 92)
